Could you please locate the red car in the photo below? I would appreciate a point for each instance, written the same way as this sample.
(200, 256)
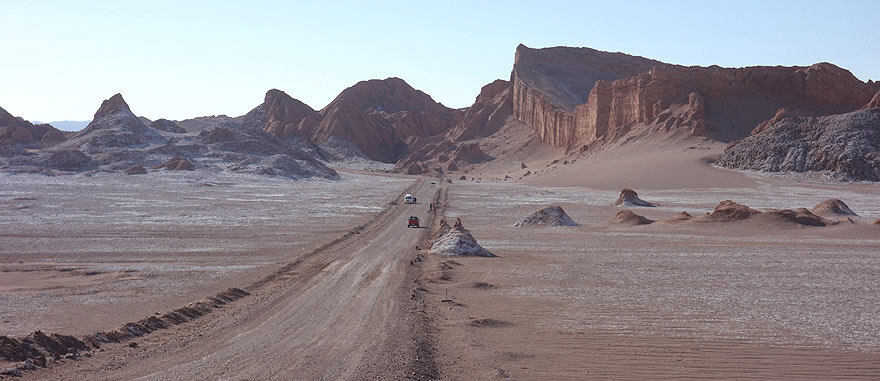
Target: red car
(413, 222)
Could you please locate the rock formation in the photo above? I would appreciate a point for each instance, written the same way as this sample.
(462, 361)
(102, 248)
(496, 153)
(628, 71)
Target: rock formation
(460, 144)
(845, 146)
(579, 95)
(176, 164)
(833, 207)
(286, 116)
(629, 197)
(17, 131)
(729, 211)
(167, 126)
(137, 169)
(456, 240)
(379, 118)
(875, 102)
(114, 126)
(627, 217)
(549, 216)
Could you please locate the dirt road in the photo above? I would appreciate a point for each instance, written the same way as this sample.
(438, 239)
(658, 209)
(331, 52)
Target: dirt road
(339, 313)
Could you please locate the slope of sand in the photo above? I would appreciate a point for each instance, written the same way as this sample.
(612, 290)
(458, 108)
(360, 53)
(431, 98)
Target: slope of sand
(746, 299)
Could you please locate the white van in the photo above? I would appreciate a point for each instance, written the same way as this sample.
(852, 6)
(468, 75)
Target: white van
(409, 199)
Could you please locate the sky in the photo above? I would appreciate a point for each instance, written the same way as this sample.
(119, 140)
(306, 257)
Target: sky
(182, 59)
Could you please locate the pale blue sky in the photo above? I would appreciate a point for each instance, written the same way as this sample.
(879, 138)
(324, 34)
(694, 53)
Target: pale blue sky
(181, 59)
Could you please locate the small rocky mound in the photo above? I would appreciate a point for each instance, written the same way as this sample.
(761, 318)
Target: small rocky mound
(456, 240)
(833, 207)
(463, 177)
(877, 222)
(167, 125)
(549, 216)
(729, 211)
(68, 160)
(176, 164)
(799, 216)
(136, 170)
(683, 216)
(626, 217)
(629, 197)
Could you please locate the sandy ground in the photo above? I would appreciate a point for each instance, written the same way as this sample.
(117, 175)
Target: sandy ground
(123, 247)
(674, 301)
(351, 295)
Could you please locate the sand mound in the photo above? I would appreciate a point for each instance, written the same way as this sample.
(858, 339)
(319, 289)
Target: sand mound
(456, 240)
(729, 211)
(833, 207)
(176, 164)
(626, 217)
(681, 217)
(799, 216)
(549, 216)
(629, 197)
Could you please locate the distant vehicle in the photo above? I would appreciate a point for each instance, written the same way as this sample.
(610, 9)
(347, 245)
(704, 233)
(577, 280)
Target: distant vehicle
(413, 222)
(409, 199)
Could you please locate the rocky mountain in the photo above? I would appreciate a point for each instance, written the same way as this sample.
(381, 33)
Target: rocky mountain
(845, 146)
(380, 118)
(579, 96)
(114, 126)
(117, 141)
(286, 116)
(15, 131)
(460, 145)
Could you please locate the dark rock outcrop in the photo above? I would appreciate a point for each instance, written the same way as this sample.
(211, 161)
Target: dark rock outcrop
(114, 126)
(846, 146)
(167, 126)
(68, 160)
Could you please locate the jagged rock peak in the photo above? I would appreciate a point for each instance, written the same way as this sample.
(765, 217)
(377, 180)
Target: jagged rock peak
(111, 106)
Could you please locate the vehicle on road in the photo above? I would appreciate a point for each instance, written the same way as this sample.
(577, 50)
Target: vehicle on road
(413, 222)
(409, 199)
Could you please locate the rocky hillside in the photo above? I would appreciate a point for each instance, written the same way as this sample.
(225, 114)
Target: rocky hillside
(17, 133)
(460, 145)
(572, 96)
(845, 146)
(379, 118)
(117, 141)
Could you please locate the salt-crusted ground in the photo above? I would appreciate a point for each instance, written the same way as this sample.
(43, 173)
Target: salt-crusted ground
(73, 248)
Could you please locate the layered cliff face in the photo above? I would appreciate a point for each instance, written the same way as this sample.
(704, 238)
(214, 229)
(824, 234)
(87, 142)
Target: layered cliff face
(625, 93)
(548, 84)
(845, 146)
(381, 117)
(17, 131)
(724, 104)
